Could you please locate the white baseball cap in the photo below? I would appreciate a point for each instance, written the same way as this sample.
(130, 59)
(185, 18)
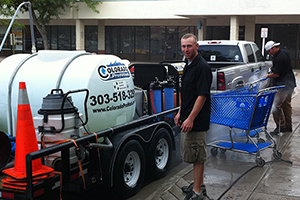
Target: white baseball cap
(270, 45)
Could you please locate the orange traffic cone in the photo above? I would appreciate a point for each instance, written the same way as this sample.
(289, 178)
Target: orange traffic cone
(26, 141)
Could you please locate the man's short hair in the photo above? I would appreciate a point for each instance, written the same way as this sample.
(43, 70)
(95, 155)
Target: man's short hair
(189, 35)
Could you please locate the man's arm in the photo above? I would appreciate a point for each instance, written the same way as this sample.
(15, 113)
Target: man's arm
(188, 124)
(177, 117)
(272, 75)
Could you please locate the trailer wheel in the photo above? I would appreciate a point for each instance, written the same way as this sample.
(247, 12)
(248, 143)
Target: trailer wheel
(129, 170)
(160, 153)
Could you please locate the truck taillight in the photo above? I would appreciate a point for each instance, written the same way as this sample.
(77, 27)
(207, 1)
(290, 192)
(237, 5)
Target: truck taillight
(221, 81)
(214, 42)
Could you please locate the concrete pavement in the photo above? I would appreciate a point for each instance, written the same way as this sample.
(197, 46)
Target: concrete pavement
(235, 176)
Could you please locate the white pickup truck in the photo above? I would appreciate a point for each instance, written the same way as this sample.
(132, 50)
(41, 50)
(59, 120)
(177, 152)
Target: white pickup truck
(233, 63)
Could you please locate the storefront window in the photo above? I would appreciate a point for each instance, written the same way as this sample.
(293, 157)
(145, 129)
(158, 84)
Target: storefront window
(171, 43)
(2, 33)
(18, 39)
(142, 43)
(111, 39)
(127, 40)
(217, 33)
(157, 43)
(91, 38)
(64, 34)
(16, 35)
(145, 43)
(142, 40)
(157, 39)
(53, 38)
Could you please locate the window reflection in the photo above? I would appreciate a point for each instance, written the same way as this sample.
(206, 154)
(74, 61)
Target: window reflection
(146, 43)
(64, 38)
(127, 40)
(171, 43)
(142, 40)
(111, 40)
(157, 40)
(91, 38)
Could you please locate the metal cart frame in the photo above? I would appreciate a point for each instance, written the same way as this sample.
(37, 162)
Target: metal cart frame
(247, 110)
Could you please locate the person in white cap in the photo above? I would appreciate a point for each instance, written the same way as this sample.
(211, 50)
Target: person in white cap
(282, 74)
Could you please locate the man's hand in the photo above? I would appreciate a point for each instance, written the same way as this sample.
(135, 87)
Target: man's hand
(187, 125)
(176, 119)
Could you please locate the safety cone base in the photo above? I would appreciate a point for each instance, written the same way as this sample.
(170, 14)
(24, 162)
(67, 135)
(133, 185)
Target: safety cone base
(21, 184)
(14, 186)
(14, 180)
(21, 175)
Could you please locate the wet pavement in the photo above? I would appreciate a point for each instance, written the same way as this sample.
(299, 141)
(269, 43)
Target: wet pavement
(236, 176)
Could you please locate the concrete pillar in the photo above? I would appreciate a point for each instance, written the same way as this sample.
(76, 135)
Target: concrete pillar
(234, 28)
(79, 34)
(250, 28)
(101, 37)
(201, 26)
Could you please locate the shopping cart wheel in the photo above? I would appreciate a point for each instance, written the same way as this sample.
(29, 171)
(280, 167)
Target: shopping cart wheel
(214, 151)
(277, 154)
(223, 150)
(260, 162)
(260, 140)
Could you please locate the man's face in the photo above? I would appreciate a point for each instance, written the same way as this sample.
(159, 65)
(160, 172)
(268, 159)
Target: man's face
(273, 51)
(189, 48)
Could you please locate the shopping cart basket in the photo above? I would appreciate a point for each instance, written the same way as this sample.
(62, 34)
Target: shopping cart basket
(247, 110)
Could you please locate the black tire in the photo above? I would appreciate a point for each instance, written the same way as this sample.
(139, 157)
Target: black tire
(260, 162)
(160, 153)
(129, 170)
(214, 151)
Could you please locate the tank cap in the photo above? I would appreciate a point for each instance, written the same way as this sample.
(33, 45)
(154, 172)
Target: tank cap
(52, 103)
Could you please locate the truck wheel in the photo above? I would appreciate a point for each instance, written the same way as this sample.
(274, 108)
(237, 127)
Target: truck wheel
(129, 170)
(160, 153)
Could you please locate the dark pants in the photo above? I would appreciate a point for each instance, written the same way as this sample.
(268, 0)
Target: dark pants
(282, 108)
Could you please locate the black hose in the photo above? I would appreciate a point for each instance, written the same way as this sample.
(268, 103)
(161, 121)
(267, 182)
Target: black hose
(236, 181)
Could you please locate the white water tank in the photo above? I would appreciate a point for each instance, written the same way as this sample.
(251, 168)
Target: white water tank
(111, 89)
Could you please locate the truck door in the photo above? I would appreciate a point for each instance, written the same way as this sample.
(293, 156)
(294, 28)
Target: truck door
(254, 68)
(262, 64)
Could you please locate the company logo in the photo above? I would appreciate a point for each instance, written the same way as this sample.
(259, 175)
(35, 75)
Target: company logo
(115, 70)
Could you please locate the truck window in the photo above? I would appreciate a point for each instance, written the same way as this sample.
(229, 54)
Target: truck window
(249, 52)
(258, 53)
(220, 53)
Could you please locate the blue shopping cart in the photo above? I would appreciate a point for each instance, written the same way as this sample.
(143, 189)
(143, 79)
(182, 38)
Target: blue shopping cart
(247, 109)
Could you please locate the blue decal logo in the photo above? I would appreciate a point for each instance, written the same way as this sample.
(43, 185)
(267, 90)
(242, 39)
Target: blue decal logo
(113, 71)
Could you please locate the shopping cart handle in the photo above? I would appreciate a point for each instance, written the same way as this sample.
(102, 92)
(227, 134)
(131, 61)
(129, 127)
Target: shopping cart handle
(257, 81)
(276, 87)
(271, 88)
(263, 79)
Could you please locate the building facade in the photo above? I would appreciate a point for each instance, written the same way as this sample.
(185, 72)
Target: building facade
(151, 30)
